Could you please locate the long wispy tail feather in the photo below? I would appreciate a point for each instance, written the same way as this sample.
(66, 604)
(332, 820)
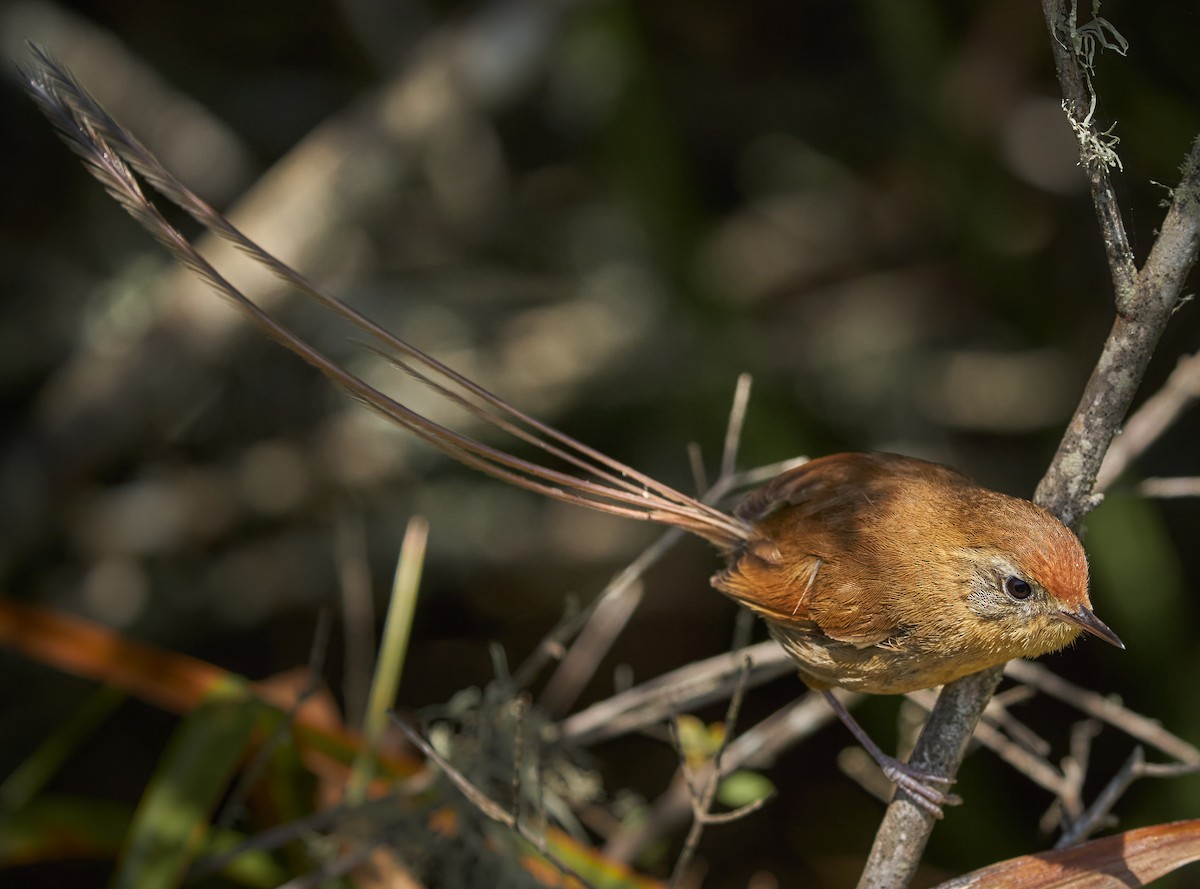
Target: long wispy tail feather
(591, 479)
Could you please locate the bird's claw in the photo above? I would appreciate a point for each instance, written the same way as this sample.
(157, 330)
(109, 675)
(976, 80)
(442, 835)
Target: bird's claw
(924, 787)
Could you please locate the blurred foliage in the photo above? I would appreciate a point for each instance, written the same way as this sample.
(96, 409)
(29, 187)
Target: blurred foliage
(873, 208)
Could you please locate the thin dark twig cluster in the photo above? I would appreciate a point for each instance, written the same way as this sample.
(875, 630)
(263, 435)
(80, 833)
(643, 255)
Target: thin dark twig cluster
(703, 783)
(1005, 735)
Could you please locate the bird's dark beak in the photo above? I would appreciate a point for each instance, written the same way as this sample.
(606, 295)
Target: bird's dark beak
(1082, 617)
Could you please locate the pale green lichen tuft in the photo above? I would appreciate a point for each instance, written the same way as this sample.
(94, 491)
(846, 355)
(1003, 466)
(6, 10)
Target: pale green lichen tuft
(1096, 148)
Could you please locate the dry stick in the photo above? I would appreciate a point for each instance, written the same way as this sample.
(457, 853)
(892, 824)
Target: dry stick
(703, 794)
(1082, 822)
(733, 429)
(1075, 766)
(902, 836)
(615, 605)
(1066, 490)
(714, 678)
(1090, 819)
(607, 619)
(1170, 487)
(1151, 420)
(1067, 785)
(1138, 727)
(999, 712)
(755, 748)
(694, 685)
(1145, 300)
(1034, 766)
(1135, 767)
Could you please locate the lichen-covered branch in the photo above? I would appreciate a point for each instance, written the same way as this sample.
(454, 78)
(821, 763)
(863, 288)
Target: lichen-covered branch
(1067, 487)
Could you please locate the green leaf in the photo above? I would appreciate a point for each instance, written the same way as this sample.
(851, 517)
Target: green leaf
(406, 585)
(743, 788)
(171, 821)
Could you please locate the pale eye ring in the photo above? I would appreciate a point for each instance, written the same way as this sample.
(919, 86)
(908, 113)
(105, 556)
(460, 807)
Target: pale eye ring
(1018, 587)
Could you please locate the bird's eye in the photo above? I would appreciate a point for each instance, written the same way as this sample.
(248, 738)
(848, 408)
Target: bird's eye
(1017, 587)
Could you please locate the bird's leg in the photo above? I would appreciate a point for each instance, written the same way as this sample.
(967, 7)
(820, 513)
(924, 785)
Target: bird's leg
(925, 787)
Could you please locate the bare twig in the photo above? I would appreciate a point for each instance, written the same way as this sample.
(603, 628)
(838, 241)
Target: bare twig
(1150, 421)
(691, 686)
(703, 786)
(696, 461)
(1000, 715)
(1075, 767)
(1085, 822)
(606, 621)
(1097, 814)
(1138, 727)
(617, 602)
(1170, 487)
(755, 748)
(1081, 820)
(1032, 765)
(733, 430)
(1067, 489)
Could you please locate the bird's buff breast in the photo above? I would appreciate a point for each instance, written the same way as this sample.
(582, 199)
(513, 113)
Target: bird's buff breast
(875, 669)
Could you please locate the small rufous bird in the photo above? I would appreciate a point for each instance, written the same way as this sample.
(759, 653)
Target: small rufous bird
(886, 574)
(877, 573)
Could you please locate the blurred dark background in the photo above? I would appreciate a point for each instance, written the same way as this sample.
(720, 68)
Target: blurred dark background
(604, 212)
